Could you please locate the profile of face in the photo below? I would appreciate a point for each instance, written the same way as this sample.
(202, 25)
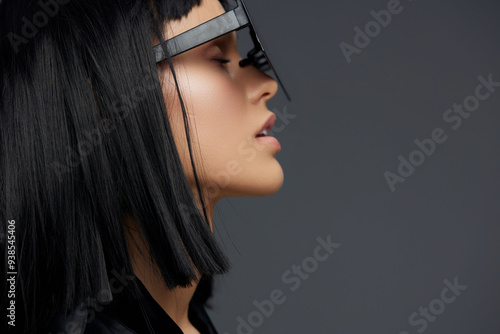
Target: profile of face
(226, 108)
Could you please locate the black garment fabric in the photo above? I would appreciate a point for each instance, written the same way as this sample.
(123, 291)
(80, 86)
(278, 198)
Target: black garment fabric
(125, 316)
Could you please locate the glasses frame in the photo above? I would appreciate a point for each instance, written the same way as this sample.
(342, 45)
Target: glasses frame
(232, 20)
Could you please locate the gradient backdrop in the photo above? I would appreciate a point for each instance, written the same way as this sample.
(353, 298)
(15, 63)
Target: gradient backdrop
(336, 250)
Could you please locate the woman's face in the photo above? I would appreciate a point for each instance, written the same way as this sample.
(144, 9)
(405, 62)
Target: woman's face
(226, 107)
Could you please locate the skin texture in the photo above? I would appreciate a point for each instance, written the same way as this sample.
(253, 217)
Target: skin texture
(226, 106)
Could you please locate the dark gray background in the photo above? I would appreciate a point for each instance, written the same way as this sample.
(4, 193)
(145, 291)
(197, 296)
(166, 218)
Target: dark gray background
(352, 122)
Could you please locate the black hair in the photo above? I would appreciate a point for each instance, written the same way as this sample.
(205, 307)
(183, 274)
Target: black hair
(85, 141)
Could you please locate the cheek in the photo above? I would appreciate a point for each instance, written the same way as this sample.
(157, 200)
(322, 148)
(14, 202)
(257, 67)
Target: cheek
(217, 108)
(217, 113)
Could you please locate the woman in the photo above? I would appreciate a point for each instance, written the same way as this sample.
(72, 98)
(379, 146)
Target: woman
(113, 156)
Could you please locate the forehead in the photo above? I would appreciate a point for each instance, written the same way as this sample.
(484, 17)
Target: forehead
(207, 10)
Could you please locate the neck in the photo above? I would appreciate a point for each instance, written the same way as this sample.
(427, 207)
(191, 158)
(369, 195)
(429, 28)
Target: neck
(209, 207)
(174, 302)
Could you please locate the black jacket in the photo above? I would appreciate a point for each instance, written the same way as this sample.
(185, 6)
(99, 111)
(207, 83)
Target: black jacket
(122, 316)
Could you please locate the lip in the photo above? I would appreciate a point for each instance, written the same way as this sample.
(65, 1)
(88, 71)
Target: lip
(270, 140)
(268, 125)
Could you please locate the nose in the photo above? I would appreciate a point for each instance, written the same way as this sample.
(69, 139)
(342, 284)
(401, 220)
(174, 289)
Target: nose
(259, 86)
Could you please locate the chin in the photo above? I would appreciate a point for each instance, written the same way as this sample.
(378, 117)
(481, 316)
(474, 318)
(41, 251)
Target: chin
(272, 185)
(259, 183)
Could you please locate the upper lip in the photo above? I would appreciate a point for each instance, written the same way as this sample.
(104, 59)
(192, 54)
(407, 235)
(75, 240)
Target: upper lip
(268, 124)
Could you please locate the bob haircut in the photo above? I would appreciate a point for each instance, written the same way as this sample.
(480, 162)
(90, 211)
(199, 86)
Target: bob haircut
(86, 142)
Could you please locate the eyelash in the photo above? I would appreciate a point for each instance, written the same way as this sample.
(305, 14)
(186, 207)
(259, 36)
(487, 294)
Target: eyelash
(222, 61)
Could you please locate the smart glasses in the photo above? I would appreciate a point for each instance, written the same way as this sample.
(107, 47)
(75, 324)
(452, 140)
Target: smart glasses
(233, 20)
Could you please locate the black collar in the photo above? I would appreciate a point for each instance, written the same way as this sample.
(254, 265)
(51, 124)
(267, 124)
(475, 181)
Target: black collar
(126, 315)
(147, 316)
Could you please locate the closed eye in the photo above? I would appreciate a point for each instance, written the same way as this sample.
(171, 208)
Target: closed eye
(217, 52)
(222, 60)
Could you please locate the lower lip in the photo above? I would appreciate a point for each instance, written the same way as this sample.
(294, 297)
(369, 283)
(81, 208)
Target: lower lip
(270, 140)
